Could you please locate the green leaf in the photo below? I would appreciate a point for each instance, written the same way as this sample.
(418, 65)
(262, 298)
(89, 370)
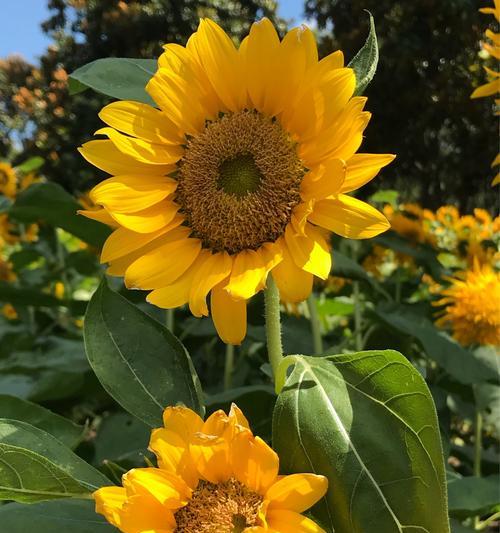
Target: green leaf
(49, 202)
(122, 78)
(470, 496)
(34, 440)
(364, 63)
(59, 516)
(63, 429)
(367, 421)
(31, 164)
(137, 360)
(457, 361)
(387, 196)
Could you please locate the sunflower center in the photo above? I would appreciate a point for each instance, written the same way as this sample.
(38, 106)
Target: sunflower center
(227, 507)
(239, 181)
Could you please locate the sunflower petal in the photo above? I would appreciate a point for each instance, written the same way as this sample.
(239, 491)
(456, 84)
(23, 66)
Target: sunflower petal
(150, 219)
(109, 502)
(131, 193)
(105, 155)
(349, 217)
(229, 316)
(142, 121)
(294, 284)
(361, 168)
(291, 522)
(324, 181)
(297, 492)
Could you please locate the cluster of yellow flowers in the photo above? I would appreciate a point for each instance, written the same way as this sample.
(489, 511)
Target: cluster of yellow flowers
(212, 476)
(492, 49)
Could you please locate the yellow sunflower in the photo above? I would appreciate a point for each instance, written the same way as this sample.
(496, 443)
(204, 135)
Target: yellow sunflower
(472, 309)
(212, 477)
(8, 180)
(243, 169)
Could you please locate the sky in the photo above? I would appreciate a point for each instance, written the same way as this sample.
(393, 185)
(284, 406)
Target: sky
(20, 30)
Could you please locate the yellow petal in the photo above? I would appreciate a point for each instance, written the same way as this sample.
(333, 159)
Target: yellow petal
(349, 217)
(142, 121)
(254, 463)
(173, 255)
(496, 180)
(326, 180)
(185, 422)
(144, 514)
(236, 416)
(109, 502)
(170, 490)
(229, 316)
(124, 241)
(104, 155)
(150, 219)
(131, 193)
(222, 64)
(291, 522)
(143, 151)
(496, 161)
(248, 275)
(212, 271)
(101, 215)
(180, 99)
(211, 456)
(297, 492)
(488, 89)
(295, 285)
(311, 252)
(361, 168)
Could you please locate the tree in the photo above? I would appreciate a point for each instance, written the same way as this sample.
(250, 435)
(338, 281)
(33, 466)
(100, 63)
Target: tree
(420, 97)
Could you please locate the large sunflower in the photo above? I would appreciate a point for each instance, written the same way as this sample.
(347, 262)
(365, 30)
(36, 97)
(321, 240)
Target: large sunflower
(243, 169)
(212, 477)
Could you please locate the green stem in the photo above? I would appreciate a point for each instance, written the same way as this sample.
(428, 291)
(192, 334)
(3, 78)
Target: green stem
(488, 521)
(273, 324)
(229, 366)
(397, 295)
(315, 324)
(358, 338)
(478, 448)
(170, 320)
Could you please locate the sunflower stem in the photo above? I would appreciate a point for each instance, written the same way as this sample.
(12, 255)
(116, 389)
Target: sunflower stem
(358, 334)
(315, 324)
(273, 324)
(170, 319)
(478, 447)
(228, 367)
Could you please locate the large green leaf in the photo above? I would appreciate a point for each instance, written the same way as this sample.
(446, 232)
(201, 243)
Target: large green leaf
(25, 437)
(457, 361)
(50, 203)
(63, 429)
(137, 360)
(470, 496)
(364, 63)
(59, 516)
(367, 421)
(121, 78)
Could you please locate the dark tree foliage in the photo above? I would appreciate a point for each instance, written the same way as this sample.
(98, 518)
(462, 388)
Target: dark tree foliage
(36, 108)
(420, 97)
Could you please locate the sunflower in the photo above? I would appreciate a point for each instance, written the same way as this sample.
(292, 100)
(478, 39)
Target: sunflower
(472, 309)
(212, 477)
(8, 180)
(495, 11)
(243, 169)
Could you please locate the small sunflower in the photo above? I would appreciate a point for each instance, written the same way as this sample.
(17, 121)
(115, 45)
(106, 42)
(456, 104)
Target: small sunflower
(243, 169)
(212, 477)
(8, 180)
(471, 306)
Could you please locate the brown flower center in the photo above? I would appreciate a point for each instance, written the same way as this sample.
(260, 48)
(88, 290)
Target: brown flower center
(227, 507)
(239, 181)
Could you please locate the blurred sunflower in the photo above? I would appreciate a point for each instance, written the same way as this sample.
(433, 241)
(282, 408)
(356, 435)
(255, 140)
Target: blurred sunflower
(471, 306)
(495, 10)
(243, 169)
(213, 477)
(8, 180)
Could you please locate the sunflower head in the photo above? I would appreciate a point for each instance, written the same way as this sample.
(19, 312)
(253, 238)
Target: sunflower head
(243, 169)
(8, 180)
(213, 476)
(471, 306)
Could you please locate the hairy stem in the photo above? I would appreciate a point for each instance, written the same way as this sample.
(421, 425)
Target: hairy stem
(229, 366)
(273, 324)
(315, 324)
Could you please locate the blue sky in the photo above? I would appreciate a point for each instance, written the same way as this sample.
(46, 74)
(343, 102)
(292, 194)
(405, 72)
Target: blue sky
(20, 30)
